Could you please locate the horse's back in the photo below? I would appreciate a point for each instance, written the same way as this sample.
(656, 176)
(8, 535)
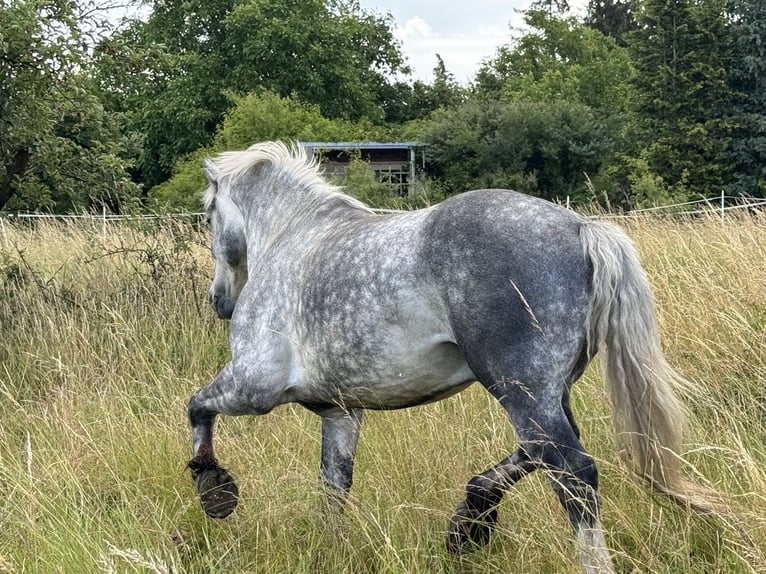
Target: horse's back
(499, 237)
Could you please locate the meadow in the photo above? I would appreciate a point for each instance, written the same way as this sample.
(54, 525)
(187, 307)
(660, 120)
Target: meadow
(105, 334)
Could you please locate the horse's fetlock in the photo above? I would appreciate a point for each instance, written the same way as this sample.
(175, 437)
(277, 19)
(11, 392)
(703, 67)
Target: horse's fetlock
(200, 464)
(470, 529)
(482, 493)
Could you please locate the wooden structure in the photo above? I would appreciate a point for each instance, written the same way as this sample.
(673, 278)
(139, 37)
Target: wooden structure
(393, 163)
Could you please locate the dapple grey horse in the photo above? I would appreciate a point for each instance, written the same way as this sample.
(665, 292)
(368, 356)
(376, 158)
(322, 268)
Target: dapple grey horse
(340, 309)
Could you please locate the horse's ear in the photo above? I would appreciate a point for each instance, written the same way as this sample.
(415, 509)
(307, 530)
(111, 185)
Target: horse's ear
(211, 171)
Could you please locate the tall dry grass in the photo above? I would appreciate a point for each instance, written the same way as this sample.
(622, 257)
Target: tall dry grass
(104, 338)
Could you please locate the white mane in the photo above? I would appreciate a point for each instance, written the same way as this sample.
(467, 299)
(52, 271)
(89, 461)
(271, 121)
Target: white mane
(236, 163)
(303, 168)
(232, 164)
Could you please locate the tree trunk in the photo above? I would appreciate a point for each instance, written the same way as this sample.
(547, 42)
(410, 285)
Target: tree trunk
(17, 167)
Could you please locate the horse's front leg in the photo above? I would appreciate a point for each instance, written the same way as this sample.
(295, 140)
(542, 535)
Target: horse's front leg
(217, 491)
(340, 433)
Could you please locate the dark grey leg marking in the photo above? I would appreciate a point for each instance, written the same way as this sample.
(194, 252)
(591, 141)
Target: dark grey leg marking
(476, 516)
(340, 433)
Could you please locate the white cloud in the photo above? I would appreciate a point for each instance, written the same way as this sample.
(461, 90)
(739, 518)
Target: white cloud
(414, 28)
(462, 52)
(463, 33)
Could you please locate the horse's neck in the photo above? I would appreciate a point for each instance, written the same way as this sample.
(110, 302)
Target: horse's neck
(298, 211)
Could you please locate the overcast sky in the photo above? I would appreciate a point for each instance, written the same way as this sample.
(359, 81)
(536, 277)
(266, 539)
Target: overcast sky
(464, 32)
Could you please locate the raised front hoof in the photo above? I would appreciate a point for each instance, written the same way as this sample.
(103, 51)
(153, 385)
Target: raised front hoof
(468, 530)
(218, 493)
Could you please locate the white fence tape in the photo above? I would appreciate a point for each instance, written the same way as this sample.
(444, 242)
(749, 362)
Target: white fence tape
(716, 205)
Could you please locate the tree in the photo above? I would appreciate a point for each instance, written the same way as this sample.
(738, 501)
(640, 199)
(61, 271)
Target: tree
(256, 117)
(682, 51)
(330, 53)
(560, 63)
(541, 148)
(613, 18)
(551, 6)
(560, 59)
(404, 102)
(445, 91)
(748, 79)
(59, 149)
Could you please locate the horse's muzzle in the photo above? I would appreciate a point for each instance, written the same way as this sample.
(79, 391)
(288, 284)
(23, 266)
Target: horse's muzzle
(223, 306)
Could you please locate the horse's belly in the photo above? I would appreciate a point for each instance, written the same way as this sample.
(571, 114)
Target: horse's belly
(402, 378)
(401, 391)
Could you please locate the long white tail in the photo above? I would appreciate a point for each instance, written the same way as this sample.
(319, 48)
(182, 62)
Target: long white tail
(647, 415)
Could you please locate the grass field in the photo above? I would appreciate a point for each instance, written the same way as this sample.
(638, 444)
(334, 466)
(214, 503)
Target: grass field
(103, 338)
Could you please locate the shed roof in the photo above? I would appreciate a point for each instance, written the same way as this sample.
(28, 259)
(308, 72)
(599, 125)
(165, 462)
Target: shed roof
(360, 145)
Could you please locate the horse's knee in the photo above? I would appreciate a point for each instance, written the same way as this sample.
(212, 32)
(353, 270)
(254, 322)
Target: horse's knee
(197, 410)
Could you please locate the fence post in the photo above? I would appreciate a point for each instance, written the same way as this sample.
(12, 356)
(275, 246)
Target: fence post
(722, 204)
(103, 211)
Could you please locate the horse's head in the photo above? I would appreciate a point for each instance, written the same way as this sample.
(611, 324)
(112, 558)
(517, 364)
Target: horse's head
(227, 229)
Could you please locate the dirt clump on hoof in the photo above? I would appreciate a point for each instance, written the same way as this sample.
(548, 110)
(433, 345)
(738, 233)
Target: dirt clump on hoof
(218, 493)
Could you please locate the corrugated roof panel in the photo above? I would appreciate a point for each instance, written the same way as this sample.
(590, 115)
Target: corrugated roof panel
(359, 145)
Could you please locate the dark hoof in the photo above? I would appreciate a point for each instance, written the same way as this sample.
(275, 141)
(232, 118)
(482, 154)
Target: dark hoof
(469, 531)
(218, 493)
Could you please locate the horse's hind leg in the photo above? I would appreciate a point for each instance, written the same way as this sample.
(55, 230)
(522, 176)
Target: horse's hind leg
(217, 491)
(574, 477)
(549, 441)
(475, 517)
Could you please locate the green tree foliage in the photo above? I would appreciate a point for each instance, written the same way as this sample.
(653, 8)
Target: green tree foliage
(59, 149)
(553, 109)
(404, 102)
(682, 51)
(330, 53)
(748, 79)
(544, 149)
(560, 59)
(613, 18)
(254, 118)
(650, 100)
(326, 52)
(360, 182)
